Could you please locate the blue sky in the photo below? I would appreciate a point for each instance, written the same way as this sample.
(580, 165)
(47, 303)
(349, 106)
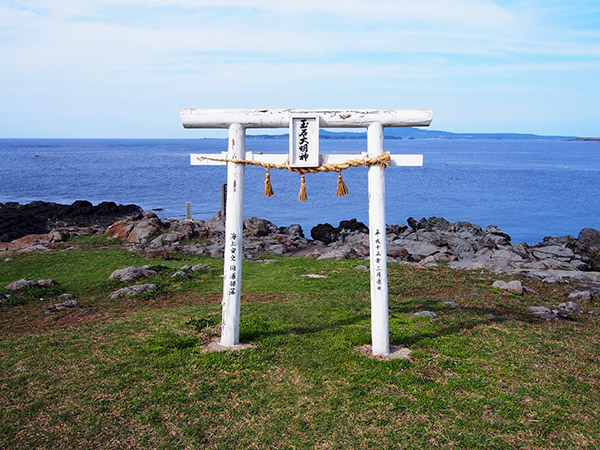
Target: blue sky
(124, 68)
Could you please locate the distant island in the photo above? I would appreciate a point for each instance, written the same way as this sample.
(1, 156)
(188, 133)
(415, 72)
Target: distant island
(420, 133)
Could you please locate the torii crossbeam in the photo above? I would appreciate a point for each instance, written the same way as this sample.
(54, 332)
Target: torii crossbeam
(237, 121)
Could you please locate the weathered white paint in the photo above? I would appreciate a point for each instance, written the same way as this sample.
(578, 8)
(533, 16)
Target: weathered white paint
(232, 260)
(280, 118)
(304, 143)
(378, 248)
(207, 159)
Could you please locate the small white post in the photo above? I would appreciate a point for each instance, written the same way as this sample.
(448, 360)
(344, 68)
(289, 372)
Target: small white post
(188, 210)
(232, 279)
(378, 248)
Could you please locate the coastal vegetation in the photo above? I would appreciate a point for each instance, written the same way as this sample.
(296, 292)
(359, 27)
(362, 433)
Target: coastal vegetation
(134, 372)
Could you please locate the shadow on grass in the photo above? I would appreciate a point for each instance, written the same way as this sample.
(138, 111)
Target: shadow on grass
(255, 327)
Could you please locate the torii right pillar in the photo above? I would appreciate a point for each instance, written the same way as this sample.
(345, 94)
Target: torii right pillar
(380, 330)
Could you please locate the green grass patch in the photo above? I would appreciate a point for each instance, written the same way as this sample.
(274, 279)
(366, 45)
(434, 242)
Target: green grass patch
(133, 372)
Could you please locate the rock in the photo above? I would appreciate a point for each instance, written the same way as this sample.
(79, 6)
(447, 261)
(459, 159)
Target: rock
(314, 275)
(199, 267)
(541, 251)
(489, 316)
(335, 253)
(8, 259)
(21, 284)
(327, 234)
(399, 254)
(66, 297)
(528, 290)
(186, 268)
(589, 238)
(133, 290)
(593, 312)
(494, 237)
(500, 284)
(56, 307)
(323, 232)
(294, 230)
(589, 243)
(361, 267)
(580, 295)
(47, 283)
(417, 250)
(259, 227)
(352, 225)
(18, 220)
(131, 274)
(429, 314)
(139, 231)
(182, 274)
(544, 313)
(451, 304)
(59, 236)
(144, 230)
(515, 286)
(570, 307)
(512, 286)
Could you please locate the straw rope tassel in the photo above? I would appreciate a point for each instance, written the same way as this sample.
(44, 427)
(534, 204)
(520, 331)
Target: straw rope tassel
(268, 186)
(302, 194)
(342, 190)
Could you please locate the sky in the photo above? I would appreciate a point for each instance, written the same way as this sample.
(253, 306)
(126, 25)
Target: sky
(125, 68)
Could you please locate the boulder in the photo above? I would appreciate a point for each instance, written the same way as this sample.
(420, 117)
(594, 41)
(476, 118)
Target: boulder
(57, 307)
(131, 274)
(429, 314)
(294, 231)
(47, 283)
(580, 295)
(544, 313)
(133, 290)
(451, 304)
(259, 227)
(181, 274)
(351, 226)
(589, 238)
(512, 286)
(323, 232)
(552, 252)
(23, 283)
(570, 307)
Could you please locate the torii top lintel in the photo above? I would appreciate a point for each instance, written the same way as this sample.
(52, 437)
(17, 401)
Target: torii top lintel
(280, 118)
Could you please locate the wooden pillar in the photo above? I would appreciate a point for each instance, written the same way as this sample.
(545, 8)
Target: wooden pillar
(377, 240)
(232, 279)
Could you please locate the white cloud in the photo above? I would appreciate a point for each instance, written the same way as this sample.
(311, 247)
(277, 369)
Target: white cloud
(240, 53)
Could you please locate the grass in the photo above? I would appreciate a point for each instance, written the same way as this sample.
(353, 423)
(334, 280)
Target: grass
(132, 373)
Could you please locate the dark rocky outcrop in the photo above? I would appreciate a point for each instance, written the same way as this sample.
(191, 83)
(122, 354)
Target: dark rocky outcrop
(18, 220)
(326, 233)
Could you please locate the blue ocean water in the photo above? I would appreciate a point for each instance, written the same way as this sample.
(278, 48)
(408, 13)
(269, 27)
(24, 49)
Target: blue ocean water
(529, 188)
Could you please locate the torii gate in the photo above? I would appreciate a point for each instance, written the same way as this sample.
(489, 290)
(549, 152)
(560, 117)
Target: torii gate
(304, 128)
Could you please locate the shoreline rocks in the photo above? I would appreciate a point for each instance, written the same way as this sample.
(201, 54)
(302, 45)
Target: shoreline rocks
(426, 242)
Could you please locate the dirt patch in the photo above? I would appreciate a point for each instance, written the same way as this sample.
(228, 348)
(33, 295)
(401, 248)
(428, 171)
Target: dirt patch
(396, 352)
(215, 346)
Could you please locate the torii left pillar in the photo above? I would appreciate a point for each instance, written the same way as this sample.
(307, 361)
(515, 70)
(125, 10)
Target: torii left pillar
(234, 216)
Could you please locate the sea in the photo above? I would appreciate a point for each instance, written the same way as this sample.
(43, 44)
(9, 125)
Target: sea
(530, 188)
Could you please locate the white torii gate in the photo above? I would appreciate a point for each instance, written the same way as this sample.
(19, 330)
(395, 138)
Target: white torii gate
(237, 121)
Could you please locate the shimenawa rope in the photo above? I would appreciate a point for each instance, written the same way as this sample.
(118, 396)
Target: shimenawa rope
(383, 160)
